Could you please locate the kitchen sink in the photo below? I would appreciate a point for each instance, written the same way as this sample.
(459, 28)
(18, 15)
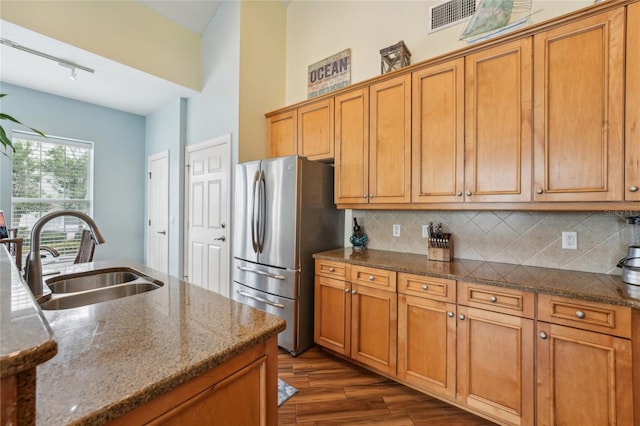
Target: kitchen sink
(94, 280)
(87, 288)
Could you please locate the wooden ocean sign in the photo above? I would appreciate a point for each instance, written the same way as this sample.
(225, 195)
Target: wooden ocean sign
(329, 74)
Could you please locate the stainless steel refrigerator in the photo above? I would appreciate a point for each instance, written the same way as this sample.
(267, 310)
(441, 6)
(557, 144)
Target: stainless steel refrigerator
(284, 212)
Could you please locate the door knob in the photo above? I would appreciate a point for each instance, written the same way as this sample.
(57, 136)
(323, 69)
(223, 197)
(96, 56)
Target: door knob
(162, 232)
(220, 238)
(223, 225)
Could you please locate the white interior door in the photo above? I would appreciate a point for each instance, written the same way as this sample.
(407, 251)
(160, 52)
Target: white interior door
(207, 234)
(158, 212)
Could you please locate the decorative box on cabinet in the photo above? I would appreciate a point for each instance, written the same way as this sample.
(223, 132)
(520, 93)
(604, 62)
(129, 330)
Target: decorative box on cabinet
(581, 362)
(578, 112)
(495, 352)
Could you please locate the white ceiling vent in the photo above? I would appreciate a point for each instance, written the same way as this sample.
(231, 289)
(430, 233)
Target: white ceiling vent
(449, 13)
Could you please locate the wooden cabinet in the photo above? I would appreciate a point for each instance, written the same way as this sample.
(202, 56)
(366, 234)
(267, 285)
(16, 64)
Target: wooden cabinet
(632, 110)
(357, 319)
(315, 130)
(578, 367)
(242, 390)
(352, 147)
(427, 333)
(438, 133)
(282, 134)
(498, 131)
(578, 110)
(495, 352)
(373, 143)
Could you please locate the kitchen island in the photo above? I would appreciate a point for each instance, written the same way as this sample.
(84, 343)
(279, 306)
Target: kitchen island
(139, 357)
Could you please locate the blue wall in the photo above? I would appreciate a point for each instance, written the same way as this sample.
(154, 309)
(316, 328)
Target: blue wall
(119, 161)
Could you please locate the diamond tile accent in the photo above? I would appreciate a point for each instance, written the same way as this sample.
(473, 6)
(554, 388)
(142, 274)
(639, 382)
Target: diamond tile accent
(522, 238)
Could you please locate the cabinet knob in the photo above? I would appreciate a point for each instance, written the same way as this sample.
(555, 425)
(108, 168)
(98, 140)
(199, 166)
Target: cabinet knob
(371, 278)
(580, 314)
(493, 299)
(364, 195)
(462, 317)
(468, 193)
(450, 314)
(543, 335)
(459, 194)
(633, 188)
(370, 195)
(331, 270)
(346, 290)
(539, 191)
(425, 287)
(353, 292)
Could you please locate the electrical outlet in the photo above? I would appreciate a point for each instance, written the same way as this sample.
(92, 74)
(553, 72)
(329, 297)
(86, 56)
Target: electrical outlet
(396, 230)
(425, 231)
(570, 240)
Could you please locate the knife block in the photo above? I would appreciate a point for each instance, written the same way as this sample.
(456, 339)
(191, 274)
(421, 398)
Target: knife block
(440, 249)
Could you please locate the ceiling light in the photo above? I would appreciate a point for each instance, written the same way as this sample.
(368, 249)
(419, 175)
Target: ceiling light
(62, 62)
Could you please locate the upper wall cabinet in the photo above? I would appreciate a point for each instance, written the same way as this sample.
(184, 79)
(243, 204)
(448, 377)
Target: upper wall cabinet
(390, 141)
(306, 131)
(632, 119)
(352, 147)
(315, 130)
(282, 133)
(438, 133)
(498, 123)
(578, 112)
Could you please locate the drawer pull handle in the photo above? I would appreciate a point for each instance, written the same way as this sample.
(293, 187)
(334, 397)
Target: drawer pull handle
(371, 278)
(462, 317)
(331, 270)
(425, 287)
(580, 314)
(543, 335)
(493, 299)
(450, 314)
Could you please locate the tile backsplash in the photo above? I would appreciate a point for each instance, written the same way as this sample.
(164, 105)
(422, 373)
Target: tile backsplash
(525, 238)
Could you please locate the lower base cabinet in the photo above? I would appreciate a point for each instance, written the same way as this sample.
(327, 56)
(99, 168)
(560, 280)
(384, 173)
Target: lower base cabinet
(241, 391)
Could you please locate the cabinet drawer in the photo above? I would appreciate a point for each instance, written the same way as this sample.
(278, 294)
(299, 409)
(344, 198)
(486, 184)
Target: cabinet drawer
(373, 277)
(430, 287)
(497, 299)
(330, 269)
(587, 315)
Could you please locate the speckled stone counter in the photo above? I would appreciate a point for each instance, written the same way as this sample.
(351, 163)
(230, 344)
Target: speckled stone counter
(114, 356)
(583, 285)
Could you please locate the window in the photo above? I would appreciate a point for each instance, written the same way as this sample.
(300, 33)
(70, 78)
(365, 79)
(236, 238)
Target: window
(51, 174)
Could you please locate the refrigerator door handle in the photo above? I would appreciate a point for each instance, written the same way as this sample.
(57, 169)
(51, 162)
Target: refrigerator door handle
(254, 241)
(259, 272)
(262, 215)
(260, 299)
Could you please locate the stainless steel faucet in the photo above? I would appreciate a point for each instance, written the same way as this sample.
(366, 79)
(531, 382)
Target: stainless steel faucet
(33, 269)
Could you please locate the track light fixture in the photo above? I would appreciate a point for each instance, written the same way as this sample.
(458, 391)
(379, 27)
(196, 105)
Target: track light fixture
(62, 62)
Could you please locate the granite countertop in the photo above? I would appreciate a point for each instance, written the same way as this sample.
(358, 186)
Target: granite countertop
(582, 285)
(26, 339)
(117, 355)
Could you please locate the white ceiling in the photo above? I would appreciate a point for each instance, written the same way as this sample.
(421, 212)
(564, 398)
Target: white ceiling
(113, 85)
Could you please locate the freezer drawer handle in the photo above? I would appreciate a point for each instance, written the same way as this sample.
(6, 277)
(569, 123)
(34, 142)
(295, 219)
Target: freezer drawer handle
(260, 299)
(266, 274)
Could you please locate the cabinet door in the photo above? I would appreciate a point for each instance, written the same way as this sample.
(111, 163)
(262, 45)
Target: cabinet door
(578, 97)
(332, 314)
(438, 133)
(498, 123)
(390, 141)
(427, 344)
(495, 364)
(282, 134)
(374, 327)
(632, 92)
(352, 147)
(315, 130)
(583, 377)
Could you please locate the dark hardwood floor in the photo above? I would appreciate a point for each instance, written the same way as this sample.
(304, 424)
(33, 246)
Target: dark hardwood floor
(332, 391)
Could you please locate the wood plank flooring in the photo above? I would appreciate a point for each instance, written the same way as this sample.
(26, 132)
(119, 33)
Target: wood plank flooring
(332, 391)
